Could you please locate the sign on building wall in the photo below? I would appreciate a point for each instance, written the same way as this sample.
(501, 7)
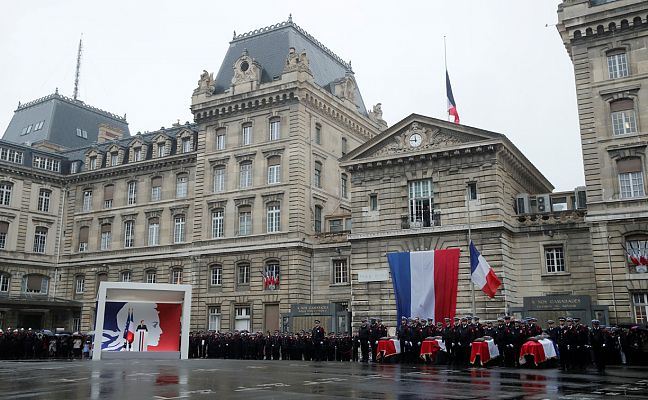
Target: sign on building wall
(373, 275)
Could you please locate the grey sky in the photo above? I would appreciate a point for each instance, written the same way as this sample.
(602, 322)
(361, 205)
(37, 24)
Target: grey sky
(510, 73)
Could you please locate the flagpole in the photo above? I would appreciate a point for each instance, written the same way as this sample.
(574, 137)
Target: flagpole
(472, 284)
(445, 62)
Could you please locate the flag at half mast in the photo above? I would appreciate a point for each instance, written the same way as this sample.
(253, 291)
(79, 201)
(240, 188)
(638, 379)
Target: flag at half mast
(452, 106)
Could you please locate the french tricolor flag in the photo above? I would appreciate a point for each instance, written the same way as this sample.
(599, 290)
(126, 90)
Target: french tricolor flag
(482, 274)
(452, 106)
(425, 283)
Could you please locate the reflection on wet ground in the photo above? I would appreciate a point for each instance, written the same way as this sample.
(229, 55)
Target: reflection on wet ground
(238, 379)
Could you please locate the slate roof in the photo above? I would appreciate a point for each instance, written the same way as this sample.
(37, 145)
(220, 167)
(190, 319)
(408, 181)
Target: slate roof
(60, 117)
(269, 46)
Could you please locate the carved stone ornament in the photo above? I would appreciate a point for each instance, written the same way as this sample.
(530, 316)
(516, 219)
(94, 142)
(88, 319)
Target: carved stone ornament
(344, 88)
(418, 138)
(297, 62)
(376, 116)
(205, 84)
(246, 69)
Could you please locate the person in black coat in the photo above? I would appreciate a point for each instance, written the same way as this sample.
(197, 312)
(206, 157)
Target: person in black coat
(363, 338)
(598, 339)
(317, 337)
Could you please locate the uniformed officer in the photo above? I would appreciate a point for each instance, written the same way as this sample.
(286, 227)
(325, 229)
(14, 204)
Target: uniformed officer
(363, 338)
(598, 339)
(317, 338)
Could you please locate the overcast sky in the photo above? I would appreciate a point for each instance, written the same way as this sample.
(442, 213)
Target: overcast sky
(510, 72)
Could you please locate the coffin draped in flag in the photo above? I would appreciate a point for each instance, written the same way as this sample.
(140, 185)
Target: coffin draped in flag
(481, 273)
(425, 283)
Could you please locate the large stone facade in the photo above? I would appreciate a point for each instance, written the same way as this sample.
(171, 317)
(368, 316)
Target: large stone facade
(606, 41)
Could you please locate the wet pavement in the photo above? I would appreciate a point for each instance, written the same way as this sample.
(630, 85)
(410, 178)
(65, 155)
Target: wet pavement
(240, 379)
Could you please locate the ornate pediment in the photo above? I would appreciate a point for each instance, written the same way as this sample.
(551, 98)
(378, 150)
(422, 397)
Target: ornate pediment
(297, 62)
(246, 69)
(417, 137)
(345, 87)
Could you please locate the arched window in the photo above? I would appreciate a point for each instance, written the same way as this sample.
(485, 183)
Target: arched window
(217, 223)
(623, 117)
(245, 178)
(34, 283)
(4, 231)
(4, 282)
(631, 181)
(150, 276)
(101, 277)
(154, 231)
(219, 178)
(179, 228)
(44, 200)
(5, 193)
(274, 169)
(273, 217)
(40, 239)
(106, 236)
(245, 220)
(243, 274)
(271, 275)
(83, 238)
(176, 276)
(182, 183)
(216, 275)
(125, 276)
(317, 178)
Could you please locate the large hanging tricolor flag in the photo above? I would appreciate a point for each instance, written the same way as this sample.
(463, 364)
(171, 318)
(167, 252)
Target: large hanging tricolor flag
(425, 283)
(452, 106)
(482, 274)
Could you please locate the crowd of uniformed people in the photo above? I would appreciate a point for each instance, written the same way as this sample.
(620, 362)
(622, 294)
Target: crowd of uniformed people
(27, 344)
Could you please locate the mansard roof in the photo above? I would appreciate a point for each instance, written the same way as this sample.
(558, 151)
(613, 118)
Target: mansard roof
(269, 47)
(56, 118)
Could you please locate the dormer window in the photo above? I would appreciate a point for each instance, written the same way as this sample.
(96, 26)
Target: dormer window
(186, 145)
(161, 149)
(114, 159)
(137, 154)
(93, 163)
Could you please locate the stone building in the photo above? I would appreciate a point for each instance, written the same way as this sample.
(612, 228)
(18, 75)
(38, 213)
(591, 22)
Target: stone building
(607, 43)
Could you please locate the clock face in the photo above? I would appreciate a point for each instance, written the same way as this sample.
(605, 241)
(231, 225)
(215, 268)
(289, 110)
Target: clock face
(415, 140)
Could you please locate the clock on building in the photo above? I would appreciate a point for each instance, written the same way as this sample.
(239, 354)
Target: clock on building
(415, 140)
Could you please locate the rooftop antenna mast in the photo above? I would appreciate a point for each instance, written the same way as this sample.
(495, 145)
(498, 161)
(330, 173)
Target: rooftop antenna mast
(78, 69)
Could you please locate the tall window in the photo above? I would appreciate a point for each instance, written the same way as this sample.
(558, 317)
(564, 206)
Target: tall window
(219, 179)
(640, 303)
(114, 159)
(242, 318)
(161, 149)
(220, 139)
(317, 178)
(74, 167)
(125, 276)
(106, 236)
(246, 135)
(93, 163)
(79, 284)
(87, 200)
(154, 232)
(181, 185)
(5, 193)
(101, 277)
(214, 318)
(40, 240)
(151, 276)
(340, 271)
(617, 64)
(132, 192)
(179, 229)
(243, 274)
(318, 134)
(344, 146)
(273, 217)
(420, 202)
(83, 238)
(318, 219)
(245, 179)
(4, 282)
(186, 145)
(156, 188)
(554, 259)
(4, 231)
(636, 247)
(109, 191)
(129, 233)
(217, 223)
(373, 202)
(37, 284)
(344, 186)
(271, 275)
(623, 117)
(176, 276)
(216, 275)
(631, 182)
(275, 129)
(44, 200)
(274, 169)
(245, 220)
(137, 154)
